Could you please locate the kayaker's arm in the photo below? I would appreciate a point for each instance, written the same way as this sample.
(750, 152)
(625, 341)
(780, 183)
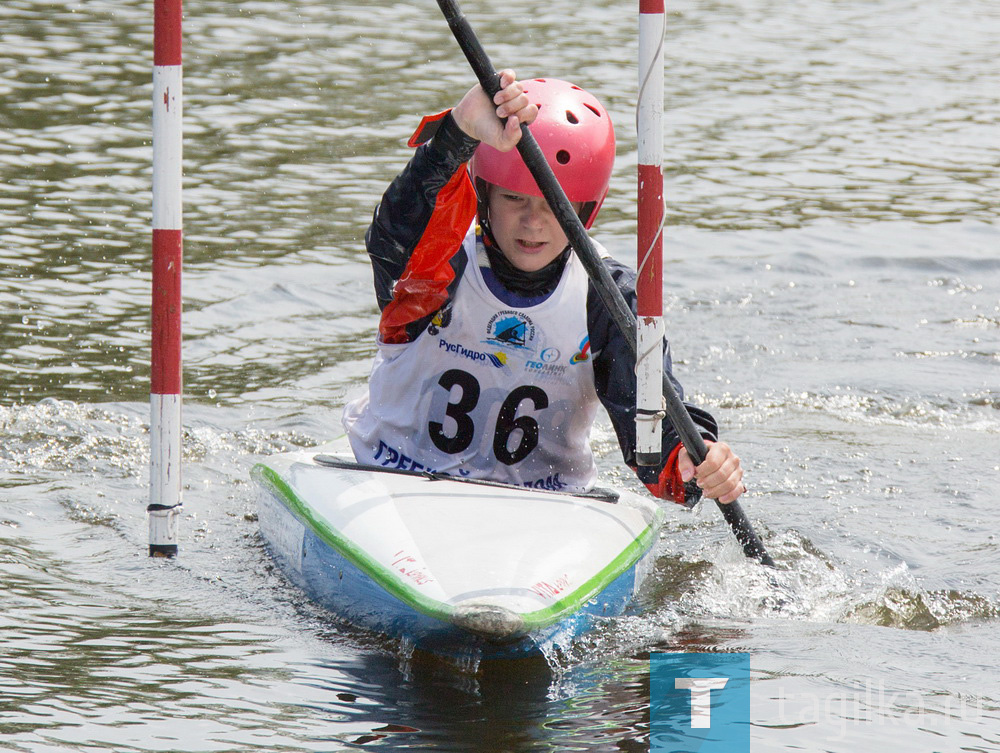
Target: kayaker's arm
(614, 377)
(418, 226)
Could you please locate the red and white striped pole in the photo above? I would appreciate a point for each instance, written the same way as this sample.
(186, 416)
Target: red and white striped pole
(165, 380)
(649, 286)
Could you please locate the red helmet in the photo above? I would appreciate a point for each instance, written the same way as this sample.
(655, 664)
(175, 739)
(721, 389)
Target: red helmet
(577, 138)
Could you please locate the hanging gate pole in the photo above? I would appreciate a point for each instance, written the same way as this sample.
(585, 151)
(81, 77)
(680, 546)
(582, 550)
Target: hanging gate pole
(165, 377)
(649, 263)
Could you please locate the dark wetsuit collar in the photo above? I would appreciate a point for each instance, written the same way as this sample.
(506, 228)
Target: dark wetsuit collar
(536, 283)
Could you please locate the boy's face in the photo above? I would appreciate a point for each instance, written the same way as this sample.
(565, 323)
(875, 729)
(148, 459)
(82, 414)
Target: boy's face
(525, 229)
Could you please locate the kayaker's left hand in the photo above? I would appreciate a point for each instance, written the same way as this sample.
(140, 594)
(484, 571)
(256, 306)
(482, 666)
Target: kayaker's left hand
(719, 477)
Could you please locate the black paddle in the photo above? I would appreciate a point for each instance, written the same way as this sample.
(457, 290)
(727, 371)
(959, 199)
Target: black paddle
(612, 298)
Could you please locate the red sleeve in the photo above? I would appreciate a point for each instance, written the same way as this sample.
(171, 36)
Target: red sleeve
(422, 288)
(669, 485)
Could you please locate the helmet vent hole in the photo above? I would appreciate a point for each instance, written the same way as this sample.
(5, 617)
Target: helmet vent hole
(571, 117)
(562, 157)
(592, 109)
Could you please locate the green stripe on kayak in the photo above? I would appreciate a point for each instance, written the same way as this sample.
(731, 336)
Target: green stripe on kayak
(382, 575)
(390, 582)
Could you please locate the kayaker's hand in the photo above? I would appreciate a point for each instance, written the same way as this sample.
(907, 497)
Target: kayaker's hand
(477, 116)
(719, 477)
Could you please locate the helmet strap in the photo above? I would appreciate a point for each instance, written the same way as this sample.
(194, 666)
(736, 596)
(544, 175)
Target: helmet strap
(483, 208)
(587, 211)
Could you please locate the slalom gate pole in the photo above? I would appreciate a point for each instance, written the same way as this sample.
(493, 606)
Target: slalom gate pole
(649, 254)
(165, 374)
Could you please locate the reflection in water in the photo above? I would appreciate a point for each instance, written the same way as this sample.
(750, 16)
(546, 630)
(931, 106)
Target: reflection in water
(516, 706)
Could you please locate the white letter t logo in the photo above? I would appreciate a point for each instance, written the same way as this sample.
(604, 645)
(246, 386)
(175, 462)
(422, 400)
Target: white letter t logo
(701, 697)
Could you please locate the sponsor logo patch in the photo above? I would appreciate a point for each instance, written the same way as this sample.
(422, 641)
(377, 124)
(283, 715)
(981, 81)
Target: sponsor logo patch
(441, 319)
(546, 365)
(511, 329)
(498, 360)
(542, 369)
(584, 353)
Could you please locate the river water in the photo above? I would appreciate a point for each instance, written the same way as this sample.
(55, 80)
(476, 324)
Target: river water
(832, 294)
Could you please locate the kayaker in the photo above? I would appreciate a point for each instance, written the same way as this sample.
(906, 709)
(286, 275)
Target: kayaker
(494, 349)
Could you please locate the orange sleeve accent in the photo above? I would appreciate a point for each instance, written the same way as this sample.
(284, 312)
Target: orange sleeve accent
(422, 288)
(429, 125)
(669, 485)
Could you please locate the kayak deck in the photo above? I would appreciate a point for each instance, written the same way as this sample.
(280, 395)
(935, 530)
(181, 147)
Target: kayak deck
(453, 564)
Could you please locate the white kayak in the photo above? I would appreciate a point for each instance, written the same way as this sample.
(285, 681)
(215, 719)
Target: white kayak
(455, 566)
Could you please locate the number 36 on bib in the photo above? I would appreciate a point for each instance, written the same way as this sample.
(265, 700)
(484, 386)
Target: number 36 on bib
(521, 429)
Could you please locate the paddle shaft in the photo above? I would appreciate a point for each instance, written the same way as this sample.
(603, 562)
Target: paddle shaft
(605, 286)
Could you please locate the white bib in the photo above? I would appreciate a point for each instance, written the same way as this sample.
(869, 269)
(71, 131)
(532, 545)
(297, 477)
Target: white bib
(487, 390)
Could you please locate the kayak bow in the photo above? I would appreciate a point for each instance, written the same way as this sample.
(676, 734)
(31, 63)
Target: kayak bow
(452, 565)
